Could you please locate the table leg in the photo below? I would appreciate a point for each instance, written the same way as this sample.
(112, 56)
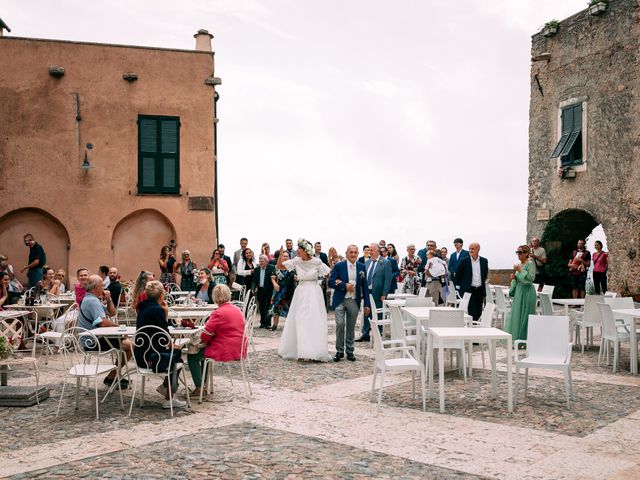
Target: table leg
(4, 370)
(494, 373)
(429, 361)
(634, 346)
(470, 358)
(441, 374)
(509, 378)
(419, 340)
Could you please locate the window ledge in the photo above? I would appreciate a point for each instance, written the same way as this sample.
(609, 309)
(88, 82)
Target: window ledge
(153, 194)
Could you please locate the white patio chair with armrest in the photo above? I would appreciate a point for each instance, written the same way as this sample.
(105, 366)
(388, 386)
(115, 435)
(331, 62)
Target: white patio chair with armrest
(464, 302)
(379, 314)
(485, 321)
(453, 297)
(124, 310)
(609, 294)
(13, 328)
(502, 307)
(548, 347)
(446, 319)
(400, 287)
(619, 303)
(83, 357)
(546, 306)
(153, 341)
(588, 318)
(209, 363)
(612, 332)
(406, 363)
(422, 293)
(548, 289)
(399, 329)
(489, 293)
(419, 302)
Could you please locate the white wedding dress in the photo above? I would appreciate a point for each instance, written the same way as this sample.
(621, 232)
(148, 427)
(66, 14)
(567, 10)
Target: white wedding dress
(305, 333)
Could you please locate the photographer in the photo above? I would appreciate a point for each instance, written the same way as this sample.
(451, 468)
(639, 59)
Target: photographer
(167, 262)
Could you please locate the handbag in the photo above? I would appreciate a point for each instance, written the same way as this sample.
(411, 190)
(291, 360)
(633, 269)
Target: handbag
(195, 344)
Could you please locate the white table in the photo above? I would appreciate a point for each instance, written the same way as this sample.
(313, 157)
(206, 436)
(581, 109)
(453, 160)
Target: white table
(401, 295)
(631, 316)
(436, 336)
(189, 314)
(210, 307)
(420, 315)
(568, 302)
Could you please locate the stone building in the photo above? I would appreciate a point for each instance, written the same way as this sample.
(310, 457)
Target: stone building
(584, 139)
(107, 152)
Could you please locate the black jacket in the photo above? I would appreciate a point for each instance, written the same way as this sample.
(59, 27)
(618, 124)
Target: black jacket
(268, 285)
(464, 274)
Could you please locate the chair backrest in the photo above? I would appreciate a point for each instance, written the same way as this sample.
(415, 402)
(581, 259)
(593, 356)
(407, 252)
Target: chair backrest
(464, 302)
(418, 302)
(501, 300)
(400, 287)
(422, 293)
(548, 289)
(452, 296)
(149, 342)
(247, 335)
(591, 316)
(486, 319)
(608, 294)
(545, 303)
(446, 318)
(377, 343)
(609, 330)
(172, 287)
(619, 303)
(398, 331)
(548, 338)
(79, 346)
(489, 291)
(202, 320)
(374, 310)
(536, 286)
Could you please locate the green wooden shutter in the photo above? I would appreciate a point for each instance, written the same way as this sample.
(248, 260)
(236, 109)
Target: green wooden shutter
(158, 154)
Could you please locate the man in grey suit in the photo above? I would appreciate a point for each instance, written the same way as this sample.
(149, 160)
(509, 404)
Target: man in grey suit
(379, 281)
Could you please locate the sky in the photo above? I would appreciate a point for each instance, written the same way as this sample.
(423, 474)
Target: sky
(350, 121)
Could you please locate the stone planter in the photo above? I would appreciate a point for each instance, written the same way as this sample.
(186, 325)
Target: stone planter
(597, 8)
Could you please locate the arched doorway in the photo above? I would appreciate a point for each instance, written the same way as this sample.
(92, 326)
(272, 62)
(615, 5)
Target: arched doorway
(137, 240)
(559, 239)
(45, 228)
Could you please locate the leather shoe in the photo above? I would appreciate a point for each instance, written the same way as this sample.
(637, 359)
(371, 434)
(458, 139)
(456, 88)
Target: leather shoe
(362, 339)
(351, 357)
(338, 357)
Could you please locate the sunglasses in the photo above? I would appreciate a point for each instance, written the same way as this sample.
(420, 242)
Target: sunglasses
(520, 252)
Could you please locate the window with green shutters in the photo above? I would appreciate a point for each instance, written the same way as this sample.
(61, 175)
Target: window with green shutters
(569, 147)
(158, 154)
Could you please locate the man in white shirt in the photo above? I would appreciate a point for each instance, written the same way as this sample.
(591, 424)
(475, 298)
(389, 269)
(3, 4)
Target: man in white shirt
(471, 275)
(237, 255)
(539, 256)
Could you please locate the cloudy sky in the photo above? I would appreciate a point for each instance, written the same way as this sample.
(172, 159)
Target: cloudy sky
(350, 121)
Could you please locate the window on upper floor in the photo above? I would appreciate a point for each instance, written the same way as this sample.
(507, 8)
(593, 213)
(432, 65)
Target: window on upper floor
(158, 154)
(569, 147)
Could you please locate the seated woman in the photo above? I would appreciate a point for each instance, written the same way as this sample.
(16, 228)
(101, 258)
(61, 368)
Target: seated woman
(139, 294)
(219, 268)
(204, 286)
(60, 274)
(222, 336)
(4, 289)
(51, 285)
(158, 356)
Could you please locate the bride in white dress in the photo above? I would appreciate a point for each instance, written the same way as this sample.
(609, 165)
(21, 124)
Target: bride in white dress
(305, 331)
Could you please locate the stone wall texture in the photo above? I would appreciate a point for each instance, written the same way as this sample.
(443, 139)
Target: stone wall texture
(96, 217)
(594, 59)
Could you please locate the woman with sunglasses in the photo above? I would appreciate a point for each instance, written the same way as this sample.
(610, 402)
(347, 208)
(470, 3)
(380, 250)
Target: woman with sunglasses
(523, 294)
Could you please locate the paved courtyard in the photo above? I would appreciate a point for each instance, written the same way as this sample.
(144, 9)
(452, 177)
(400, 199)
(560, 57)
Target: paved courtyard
(312, 420)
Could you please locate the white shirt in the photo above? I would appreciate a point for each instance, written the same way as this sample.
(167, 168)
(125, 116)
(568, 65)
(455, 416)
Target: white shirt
(436, 267)
(476, 278)
(106, 282)
(351, 269)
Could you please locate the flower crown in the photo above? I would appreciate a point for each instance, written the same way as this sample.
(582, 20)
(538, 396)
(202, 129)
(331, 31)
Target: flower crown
(304, 244)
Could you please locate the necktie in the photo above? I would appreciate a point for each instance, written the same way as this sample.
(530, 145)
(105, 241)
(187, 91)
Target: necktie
(372, 267)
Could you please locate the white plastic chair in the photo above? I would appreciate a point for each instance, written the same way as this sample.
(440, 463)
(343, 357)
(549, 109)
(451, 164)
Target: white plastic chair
(422, 293)
(398, 328)
(447, 318)
(453, 297)
(619, 303)
(548, 289)
(379, 314)
(209, 363)
(464, 302)
(154, 340)
(587, 319)
(406, 363)
(489, 292)
(419, 302)
(485, 321)
(400, 287)
(547, 307)
(82, 357)
(612, 332)
(609, 294)
(548, 347)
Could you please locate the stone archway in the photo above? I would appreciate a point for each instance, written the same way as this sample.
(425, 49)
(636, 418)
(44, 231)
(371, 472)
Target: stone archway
(45, 228)
(137, 240)
(559, 239)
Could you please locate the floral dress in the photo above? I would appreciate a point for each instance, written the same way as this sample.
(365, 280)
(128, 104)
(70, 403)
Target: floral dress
(281, 300)
(411, 282)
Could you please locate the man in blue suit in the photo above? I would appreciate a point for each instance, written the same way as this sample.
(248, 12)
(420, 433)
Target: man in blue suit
(455, 259)
(349, 281)
(379, 281)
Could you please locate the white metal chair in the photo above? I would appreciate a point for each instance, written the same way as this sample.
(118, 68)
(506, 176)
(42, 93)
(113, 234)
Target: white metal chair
(548, 347)
(83, 358)
(124, 310)
(209, 363)
(546, 307)
(151, 342)
(406, 363)
(251, 319)
(612, 332)
(452, 319)
(485, 321)
(587, 319)
(13, 329)
(50, 332)
(453, 297)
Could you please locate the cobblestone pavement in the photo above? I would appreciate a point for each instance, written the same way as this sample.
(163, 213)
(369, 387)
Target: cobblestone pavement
(315, 420)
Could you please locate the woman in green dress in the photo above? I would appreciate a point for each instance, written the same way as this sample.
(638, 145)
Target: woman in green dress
(523, 294)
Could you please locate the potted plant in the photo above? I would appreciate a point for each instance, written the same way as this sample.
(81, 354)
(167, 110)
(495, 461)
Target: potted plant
(596, 7)
(6, 347)
(550, 28)
(566, 172)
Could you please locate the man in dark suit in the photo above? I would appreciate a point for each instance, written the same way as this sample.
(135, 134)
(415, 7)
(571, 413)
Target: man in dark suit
(395, 269)
(456, 257)
(365, 254)
(471, 275)
(379, 282)
(349, 281)
(263, 288)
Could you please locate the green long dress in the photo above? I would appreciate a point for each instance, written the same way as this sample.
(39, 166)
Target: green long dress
(524, 302)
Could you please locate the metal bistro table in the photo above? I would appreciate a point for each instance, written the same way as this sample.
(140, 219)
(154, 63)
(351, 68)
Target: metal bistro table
(568, 302)
(436, 337)
(631, 317)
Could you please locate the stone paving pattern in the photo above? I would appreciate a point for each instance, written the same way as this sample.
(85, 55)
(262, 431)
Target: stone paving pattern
(315, 420)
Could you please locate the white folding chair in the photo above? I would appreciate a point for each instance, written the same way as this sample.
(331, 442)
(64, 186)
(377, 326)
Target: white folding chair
(548, 347)
(406, 363)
